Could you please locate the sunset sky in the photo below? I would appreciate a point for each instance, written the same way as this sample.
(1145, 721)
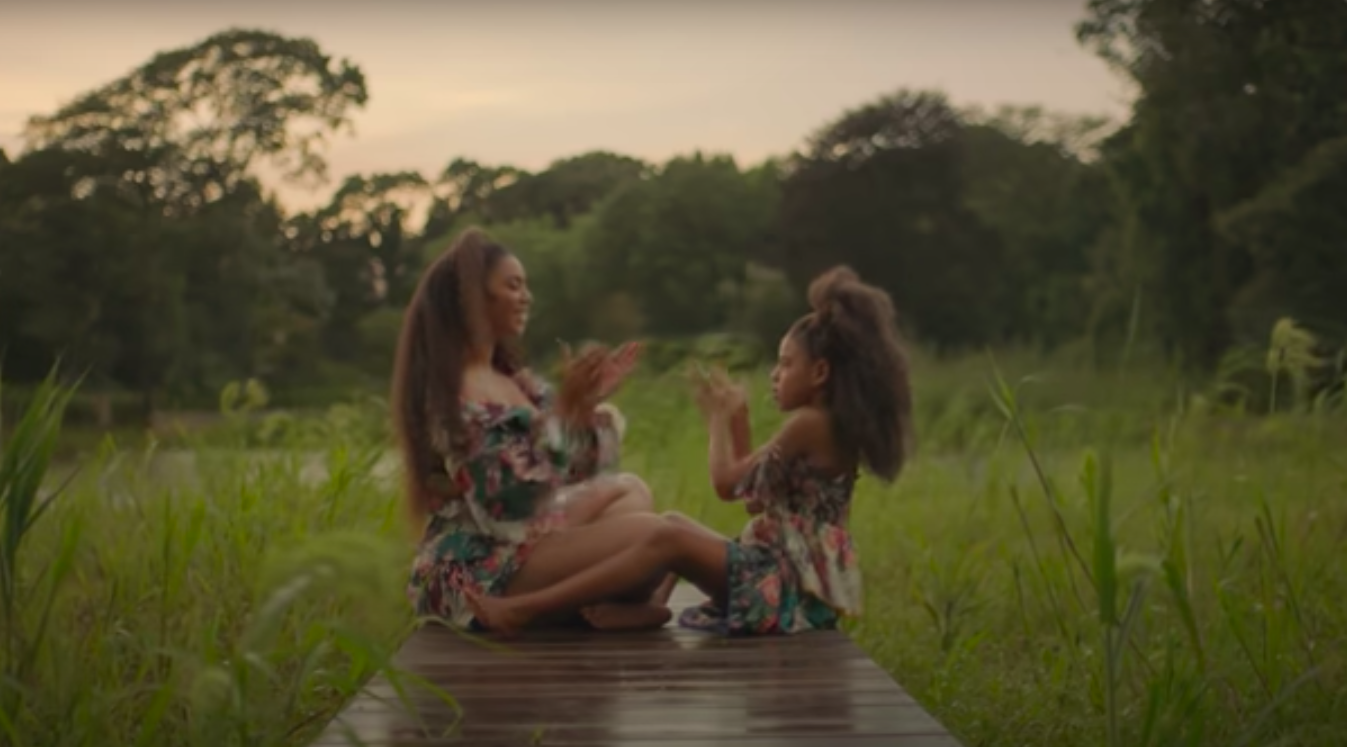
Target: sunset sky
(528, 82)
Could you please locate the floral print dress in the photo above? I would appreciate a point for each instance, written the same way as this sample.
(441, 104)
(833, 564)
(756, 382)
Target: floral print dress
(794, 567)
(515, 459)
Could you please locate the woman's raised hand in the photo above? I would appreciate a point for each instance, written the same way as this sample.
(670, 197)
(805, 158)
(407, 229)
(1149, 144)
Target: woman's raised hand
(581, 378)
(591, 377)
(616, 367)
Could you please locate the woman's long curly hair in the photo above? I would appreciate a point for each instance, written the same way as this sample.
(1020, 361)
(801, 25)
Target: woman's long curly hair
(854, 328)
(445, 319)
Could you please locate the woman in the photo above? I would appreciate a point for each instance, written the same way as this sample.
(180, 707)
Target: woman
(486, 448)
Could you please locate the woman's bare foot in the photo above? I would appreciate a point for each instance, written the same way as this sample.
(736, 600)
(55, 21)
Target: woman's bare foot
(499, 614)
(619, 616)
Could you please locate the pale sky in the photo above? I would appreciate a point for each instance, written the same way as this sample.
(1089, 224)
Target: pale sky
(526, 82)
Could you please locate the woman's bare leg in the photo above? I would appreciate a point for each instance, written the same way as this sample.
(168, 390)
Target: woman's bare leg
(600, 499)
(655, 550)
(560, 555)
(607, 496)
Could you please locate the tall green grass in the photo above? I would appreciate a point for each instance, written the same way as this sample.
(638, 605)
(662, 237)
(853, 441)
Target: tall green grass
(239, 607)
(1074, 557)
(1077, 557)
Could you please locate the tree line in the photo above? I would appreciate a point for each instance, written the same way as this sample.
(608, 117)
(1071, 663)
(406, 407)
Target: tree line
(138, 246)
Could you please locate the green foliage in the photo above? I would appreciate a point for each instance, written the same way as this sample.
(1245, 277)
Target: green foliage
(235, 591)
(766, 307)
(141, 193)
(1294, 371)
(28, 592)
(200, 597)
(1185, 232)
(1048, 208)
(204, 114)
(1237, 115)
(1076, 559)
(679, 241)
(567, 189)
(882, 189)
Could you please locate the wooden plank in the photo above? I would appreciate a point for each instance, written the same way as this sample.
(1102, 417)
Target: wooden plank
(666, 688)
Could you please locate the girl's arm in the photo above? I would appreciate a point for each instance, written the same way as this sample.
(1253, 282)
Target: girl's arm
(742, 444)
(741, 440)
(728, 469)
(726, 462)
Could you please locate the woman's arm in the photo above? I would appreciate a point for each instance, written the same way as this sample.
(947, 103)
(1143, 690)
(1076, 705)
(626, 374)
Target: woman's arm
(591, 448)
(591, 429)
(510, 460)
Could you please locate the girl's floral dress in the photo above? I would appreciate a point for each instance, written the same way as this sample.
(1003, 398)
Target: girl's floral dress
(514, 460)
(794, 567)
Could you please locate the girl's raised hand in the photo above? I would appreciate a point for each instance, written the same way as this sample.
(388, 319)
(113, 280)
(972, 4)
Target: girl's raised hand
(702, 393)
(716, 394)
(730, 397)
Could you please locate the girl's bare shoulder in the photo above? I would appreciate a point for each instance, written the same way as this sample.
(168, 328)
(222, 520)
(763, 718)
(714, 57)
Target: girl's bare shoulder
(809, 435)
(807, 431)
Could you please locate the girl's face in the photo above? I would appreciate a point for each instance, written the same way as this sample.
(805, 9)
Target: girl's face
(508, 298)
(797, 379)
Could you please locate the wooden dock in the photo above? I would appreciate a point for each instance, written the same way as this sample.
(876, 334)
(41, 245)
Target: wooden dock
(666, 688)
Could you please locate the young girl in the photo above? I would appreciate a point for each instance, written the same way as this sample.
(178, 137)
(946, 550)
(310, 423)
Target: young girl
(842, 376)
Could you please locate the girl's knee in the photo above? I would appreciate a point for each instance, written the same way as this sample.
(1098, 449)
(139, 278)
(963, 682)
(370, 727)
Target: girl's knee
(642, 527)
(672, 534)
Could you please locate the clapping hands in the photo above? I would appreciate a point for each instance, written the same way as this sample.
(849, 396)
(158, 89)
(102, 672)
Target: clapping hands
(717, 395)
(724, 404)
(593, 376)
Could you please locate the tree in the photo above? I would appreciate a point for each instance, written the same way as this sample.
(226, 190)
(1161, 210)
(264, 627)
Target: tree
(86, 275)
(204, 115)
(369, 256)
(464, 188)
(144, 192)
(1294, 232)
(1049, 209)
(679, 242)
(247, 295)
(1073, 136)
(1234, 98)
(567, 189)
(882, 189)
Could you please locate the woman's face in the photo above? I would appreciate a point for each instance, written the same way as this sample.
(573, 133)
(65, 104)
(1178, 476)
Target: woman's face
(508, 298)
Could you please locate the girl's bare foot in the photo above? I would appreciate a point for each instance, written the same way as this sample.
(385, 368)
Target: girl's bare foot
(660, 598)
(618, 616)
(499, 614)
